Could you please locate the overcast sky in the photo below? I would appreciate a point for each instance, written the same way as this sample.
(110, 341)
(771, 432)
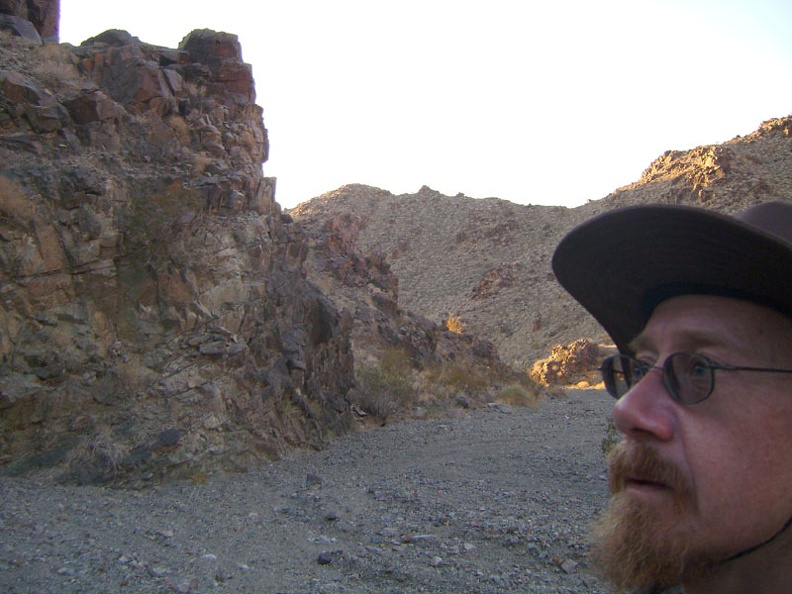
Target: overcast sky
(551, 102)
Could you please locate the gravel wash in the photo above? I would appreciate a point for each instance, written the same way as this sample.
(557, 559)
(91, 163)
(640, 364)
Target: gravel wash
(490, 501)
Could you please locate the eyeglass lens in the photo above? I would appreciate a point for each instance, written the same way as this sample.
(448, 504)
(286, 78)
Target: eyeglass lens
(687, 376)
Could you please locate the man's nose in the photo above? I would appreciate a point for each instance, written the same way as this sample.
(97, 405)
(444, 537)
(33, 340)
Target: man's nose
(646, 411)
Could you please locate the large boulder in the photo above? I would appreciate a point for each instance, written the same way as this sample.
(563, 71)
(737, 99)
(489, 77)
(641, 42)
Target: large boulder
(37, 20)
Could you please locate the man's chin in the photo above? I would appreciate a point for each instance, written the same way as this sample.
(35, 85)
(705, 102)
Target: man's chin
(638, 543)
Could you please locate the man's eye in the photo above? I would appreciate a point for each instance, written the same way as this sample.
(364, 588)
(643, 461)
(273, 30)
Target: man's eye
(640, 370)
(698, 370)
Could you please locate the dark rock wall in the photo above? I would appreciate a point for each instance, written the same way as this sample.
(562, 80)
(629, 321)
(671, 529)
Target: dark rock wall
(155, 319)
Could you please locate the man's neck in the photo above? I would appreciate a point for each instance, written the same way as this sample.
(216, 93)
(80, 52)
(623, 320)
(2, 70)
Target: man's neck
(766, 569)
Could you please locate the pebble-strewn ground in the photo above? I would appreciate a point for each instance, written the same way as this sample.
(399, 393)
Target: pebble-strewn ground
(493, 501)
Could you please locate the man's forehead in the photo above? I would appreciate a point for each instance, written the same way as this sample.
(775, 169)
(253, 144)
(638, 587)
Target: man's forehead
(698, 321)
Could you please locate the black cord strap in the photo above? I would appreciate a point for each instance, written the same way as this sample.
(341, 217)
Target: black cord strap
(761, 544)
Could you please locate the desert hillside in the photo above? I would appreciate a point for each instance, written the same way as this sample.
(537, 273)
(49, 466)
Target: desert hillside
(161, 316)
(488, 260)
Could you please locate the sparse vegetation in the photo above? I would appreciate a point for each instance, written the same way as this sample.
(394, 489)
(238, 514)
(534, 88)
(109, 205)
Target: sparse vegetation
(394, 387)
(54, 67)
(520, 395)
(460, 377)
(101, 451)
(180, 128)
(200, 162)
(612, 437)
(388, 385)
(455, 324)
(154, 222)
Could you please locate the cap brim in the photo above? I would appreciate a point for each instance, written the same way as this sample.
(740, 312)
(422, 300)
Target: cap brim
(614, 263)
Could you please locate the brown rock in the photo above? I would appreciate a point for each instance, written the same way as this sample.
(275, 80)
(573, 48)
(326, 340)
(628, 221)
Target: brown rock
(148, 277)
(222, 53)
(45, 16)
(92, 106)
(20, 27)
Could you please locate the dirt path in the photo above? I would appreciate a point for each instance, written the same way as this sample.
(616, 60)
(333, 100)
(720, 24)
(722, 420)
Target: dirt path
(493, 501)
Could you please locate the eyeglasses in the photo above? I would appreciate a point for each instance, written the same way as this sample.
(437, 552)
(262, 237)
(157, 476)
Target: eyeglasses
(688, 377)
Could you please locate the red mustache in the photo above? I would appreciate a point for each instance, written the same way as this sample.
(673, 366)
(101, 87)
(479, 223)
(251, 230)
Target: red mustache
(639, 462)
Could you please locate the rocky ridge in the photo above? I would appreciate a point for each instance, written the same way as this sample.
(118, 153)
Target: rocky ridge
(487, 261)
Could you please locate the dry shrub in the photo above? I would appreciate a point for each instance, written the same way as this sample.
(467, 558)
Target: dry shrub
(200, 162)
(172, 288)
(324, 283)
(100, 455)
(156, 223)
(58, 76)
(387, 386)
(55, 68)
(134, 376)
(612, 437)
(248, 141)
(454, 323)
(461, 377)
(520, 395)
(180, 127)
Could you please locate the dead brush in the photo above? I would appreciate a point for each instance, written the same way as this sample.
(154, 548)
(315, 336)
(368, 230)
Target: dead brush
(474, 386)
(460, 377)
(520, 395)
(100, 453)
(387, 385)
(54, 67)
(612, 437)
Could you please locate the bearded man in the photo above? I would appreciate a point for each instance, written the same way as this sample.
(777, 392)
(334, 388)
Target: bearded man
(700, 307)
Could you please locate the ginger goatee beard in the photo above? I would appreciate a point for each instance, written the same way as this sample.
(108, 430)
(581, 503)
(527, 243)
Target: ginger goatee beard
(638, 544)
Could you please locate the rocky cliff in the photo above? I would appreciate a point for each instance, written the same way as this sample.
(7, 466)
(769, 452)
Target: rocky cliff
(154, 314)
(159, 315)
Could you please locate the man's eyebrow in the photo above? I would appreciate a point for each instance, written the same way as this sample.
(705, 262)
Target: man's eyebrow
(640, 343)
(691, 338)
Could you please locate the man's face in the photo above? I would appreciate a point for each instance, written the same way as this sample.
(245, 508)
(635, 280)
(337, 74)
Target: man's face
(695, 485)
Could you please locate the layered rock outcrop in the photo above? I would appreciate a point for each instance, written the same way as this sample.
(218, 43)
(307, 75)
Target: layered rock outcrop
(155, 318)
(406, 364)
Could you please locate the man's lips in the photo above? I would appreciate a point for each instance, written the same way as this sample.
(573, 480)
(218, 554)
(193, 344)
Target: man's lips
(644, 483)
(640, 470)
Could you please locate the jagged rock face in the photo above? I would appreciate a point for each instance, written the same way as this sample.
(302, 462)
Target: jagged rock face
(436, 367)
(154, 315)
(38, 20)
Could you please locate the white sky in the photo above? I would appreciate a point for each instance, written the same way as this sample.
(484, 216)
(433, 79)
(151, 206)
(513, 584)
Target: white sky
(541, 102)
